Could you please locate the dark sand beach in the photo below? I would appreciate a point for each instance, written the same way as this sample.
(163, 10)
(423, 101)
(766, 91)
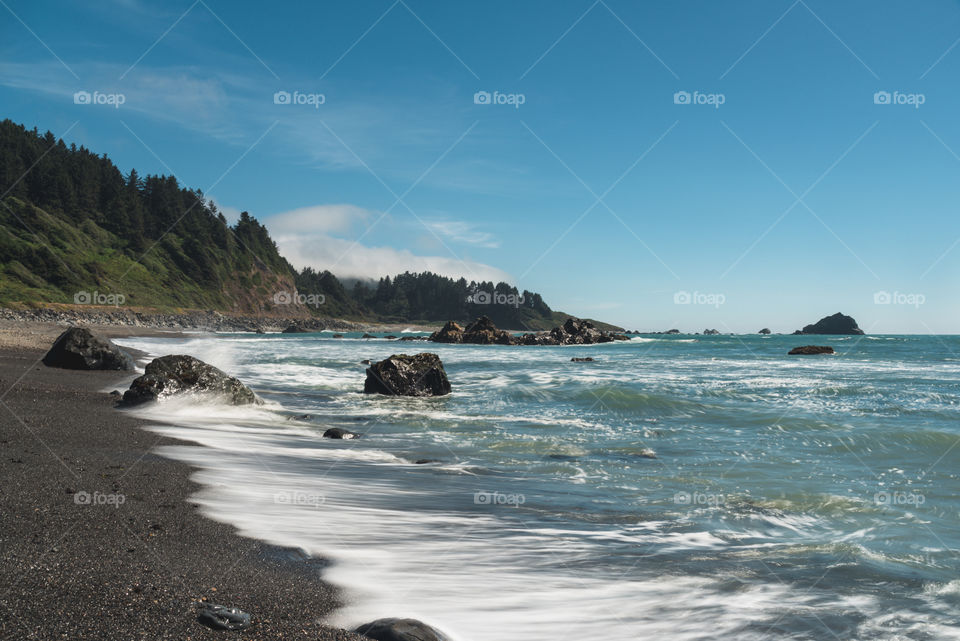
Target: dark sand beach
(128, 568)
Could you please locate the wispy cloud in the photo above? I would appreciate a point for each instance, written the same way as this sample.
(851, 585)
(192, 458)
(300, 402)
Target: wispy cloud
(463, 232)
(231, 107)
(320, 219)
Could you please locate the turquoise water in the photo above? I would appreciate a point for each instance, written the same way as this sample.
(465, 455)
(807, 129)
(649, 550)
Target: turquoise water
(789, 497)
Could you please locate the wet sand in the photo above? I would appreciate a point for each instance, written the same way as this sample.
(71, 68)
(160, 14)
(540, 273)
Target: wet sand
(99, 538)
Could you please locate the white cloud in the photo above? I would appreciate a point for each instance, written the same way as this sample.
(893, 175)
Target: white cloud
(304, 237)
(349, 259)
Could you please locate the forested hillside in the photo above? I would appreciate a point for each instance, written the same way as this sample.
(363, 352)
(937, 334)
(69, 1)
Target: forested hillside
(71, 224)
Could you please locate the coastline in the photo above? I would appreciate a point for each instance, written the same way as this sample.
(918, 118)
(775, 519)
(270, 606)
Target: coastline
(125, 321)
(130, 567)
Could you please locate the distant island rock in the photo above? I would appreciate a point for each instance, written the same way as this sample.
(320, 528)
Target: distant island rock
(836, 324)
(765, 330)
(574, 331)
(810, 350)
(710, 332)
(482, 331)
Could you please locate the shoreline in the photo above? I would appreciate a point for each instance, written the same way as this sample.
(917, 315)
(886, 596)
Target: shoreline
(101, 538)
(121, 321)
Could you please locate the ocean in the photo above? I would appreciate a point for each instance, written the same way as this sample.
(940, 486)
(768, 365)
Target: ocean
(679, 487)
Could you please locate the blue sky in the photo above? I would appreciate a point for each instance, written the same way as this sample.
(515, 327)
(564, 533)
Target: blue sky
(607, 190)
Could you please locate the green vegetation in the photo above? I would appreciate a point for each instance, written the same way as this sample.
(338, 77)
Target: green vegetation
(72, 224)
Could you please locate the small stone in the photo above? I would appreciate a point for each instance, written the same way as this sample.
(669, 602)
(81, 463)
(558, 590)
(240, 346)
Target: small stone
(219, 617)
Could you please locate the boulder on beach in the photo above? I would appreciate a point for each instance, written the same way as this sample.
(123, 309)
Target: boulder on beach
(765, 330)
(396, 629)
(179, 374)
(79, 348)
(807, 350)
(402, 375)
(836, 324)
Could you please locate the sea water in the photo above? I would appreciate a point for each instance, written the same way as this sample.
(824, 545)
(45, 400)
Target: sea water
(800, 497)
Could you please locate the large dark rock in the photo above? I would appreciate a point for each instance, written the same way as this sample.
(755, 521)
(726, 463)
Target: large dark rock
(179, 374)
(402, 375)
(395, 629)
(79, 348)
(836, 324)
(807, 350)
(452, 332)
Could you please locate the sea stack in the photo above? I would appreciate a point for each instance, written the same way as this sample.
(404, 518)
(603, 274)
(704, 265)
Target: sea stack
(836, 324)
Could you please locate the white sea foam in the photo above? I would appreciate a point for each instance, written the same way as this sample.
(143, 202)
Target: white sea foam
(477, 577)
(409, 540)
